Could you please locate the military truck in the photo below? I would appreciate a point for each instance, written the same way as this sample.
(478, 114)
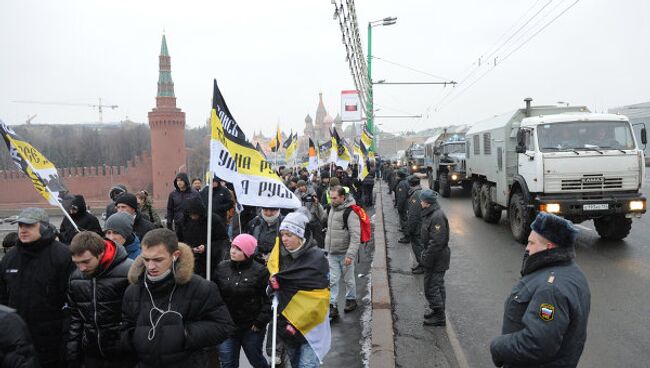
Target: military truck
(415, 157)
(445, 163)
(558, 159)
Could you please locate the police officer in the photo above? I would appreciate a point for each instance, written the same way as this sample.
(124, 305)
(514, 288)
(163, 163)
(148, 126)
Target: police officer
(545, 318)
(414, 221)
(401, 201)
(434, 235)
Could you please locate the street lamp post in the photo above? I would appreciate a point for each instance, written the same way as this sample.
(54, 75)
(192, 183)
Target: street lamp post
(370, 121)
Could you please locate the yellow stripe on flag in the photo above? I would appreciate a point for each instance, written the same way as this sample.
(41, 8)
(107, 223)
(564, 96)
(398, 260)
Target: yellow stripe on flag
(307, 309)
(273, 263)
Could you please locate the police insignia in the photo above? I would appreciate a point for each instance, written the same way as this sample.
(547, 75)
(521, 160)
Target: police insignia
(546, 312)
(437, 227)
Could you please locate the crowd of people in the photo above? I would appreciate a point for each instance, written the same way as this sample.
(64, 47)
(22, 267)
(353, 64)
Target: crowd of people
(137, 291)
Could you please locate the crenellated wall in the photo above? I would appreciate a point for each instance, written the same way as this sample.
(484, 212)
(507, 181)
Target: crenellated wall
(16, 190)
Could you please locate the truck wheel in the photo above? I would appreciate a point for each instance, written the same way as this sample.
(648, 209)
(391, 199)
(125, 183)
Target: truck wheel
(445, 186)
(491, 212)
(520, 218)
(615, 227)
(476, 198)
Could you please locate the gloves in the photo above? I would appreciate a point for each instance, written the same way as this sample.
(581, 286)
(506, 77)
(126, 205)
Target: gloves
(273, 282)
(289, 329)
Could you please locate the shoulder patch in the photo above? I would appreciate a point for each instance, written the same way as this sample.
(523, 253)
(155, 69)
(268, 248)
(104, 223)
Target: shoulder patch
(437, 227)
(551, 279)
(546, 312)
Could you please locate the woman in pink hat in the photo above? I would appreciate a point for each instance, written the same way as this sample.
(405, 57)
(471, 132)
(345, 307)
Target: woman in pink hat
(243, 282)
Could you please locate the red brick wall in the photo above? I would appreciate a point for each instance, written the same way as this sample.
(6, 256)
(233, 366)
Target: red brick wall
(16, 191)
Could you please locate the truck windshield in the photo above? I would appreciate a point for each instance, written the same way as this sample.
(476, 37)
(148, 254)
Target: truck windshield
(418, 152)
(455, 148)
(585, 135)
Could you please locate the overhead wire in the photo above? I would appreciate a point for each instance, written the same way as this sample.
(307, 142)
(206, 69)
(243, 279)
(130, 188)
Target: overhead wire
(409, 68)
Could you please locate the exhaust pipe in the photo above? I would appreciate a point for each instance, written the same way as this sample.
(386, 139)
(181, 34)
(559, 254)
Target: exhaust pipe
(528, 100)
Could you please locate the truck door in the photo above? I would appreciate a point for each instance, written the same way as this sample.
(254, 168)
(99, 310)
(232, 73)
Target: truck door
(526, 165)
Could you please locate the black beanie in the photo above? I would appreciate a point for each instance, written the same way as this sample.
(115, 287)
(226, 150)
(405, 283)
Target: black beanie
(128, 199)
(559, 231)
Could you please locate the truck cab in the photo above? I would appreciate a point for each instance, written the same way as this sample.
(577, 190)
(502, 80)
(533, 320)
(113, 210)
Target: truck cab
(567, 161)
(448, 167)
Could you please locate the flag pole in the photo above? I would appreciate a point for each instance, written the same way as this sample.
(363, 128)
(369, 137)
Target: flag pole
(275, 330)
(208, 253)
(66, 213)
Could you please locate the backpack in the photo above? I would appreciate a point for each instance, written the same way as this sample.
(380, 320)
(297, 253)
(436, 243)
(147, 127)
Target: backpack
(364, 222)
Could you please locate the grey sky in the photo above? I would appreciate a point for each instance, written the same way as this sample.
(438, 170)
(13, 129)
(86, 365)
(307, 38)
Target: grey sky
(271, 58)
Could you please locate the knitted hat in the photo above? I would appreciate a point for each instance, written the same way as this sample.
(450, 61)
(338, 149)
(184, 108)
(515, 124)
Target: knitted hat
(334, 182)
(295, 222)
(121, 223)
(246, 243)
(302, 183)
(428, 196)
(128, 199)
(559, 231)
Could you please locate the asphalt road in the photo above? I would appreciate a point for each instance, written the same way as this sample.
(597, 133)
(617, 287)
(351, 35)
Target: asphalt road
(485, 264)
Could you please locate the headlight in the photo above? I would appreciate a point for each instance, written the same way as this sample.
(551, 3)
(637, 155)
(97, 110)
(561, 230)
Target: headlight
(415, 167)
(550, 207)
(454, 177)
(637, 205)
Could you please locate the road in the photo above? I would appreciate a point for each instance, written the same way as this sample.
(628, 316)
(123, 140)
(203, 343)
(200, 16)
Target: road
(485, 264)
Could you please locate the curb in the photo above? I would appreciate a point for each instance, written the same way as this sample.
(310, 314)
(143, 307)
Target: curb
(383, 344)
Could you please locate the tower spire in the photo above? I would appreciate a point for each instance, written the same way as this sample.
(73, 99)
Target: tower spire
(165, 96)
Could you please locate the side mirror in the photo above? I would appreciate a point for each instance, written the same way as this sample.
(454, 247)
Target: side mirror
(644, 137)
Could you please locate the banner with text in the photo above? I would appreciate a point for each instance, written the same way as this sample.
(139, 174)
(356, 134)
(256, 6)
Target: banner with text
(236, 160)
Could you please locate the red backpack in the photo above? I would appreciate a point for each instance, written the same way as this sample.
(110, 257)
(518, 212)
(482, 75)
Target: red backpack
(364, 222)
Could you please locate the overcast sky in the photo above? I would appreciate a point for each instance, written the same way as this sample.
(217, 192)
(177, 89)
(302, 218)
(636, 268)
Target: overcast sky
(272, 58)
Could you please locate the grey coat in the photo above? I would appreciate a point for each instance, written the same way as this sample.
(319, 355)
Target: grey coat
(434, 236)
(339, 240)
(401, 195)
(414, 221)
(545, 317)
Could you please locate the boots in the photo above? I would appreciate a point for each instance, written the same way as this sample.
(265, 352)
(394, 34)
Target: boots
(350, 305)
(437, 318)
(334, 313)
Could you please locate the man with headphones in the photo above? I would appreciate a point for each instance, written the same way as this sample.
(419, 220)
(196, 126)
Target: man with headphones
(172, 317)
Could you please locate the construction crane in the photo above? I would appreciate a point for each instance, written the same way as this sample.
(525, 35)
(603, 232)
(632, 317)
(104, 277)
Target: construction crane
(99, 106)
(30, 118)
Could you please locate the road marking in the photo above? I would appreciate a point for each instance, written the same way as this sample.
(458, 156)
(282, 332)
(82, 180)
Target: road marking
(583, 227)
(455, 345)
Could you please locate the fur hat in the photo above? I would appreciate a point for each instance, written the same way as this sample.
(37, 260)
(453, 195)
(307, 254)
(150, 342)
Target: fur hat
(128, 199)
(295, 222)
(429, 196)
(413, 180)
(557, 230)
(246, 243)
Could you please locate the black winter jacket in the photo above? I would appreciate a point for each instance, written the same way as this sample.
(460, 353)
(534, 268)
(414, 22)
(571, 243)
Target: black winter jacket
(264, 233)
(96, 309)
(221, 200)
(34, 281)
(243, 288)
(173, 341)
(16, 349)
(85, 221)
(414, 221)
(545, 317)
(176, 201)
(141, 225)
(402, 195)
(435, 239)
(195, 233)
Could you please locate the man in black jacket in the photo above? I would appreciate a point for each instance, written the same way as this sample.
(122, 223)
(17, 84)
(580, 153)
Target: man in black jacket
(221, 198)
(545, 317)
(265, 228)
(172, 317)
(414, 221)
(16, 348)
(113, 193)
(435, 256)
(95, 294)
(401, 201)
(177, 198)
(84, 220)
(193, 231)
(128, 203)
(34, 281)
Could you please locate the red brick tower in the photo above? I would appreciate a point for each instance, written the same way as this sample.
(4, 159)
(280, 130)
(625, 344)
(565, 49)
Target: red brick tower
(167, 124)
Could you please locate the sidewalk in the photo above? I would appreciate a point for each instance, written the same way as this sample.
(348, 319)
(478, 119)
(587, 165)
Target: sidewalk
(416, 345)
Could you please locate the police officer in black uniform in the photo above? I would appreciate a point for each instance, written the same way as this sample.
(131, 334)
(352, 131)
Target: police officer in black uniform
(545, 318)
(401, 201)
(434, 235)
(414, 221)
